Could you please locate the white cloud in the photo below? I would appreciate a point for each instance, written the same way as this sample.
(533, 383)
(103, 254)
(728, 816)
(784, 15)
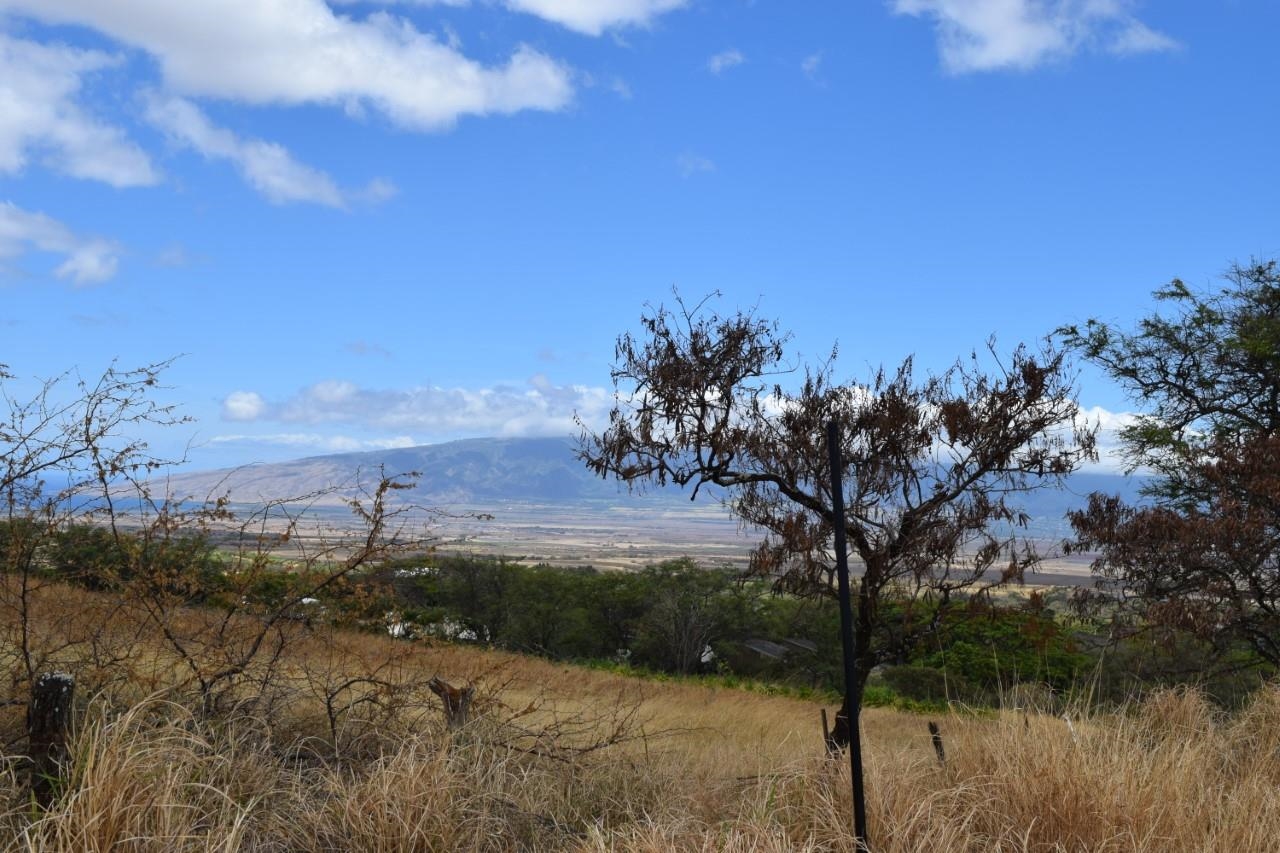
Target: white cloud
(243, 406)
(593, 17)
(41, 118)
(315, 441)
(1109, 424)
(376, 191)
(986, 35)
(300, 52)
(691, 164)
(332, 392)
(267, 167)
(538, 409)
(87, 260)
(1137, 37)
(590, 17)
(725, 60)
(453, 3)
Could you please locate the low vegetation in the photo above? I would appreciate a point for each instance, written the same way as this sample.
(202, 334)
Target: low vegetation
(561, 757)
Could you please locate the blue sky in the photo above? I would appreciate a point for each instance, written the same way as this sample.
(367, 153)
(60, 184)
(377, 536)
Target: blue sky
(363, 224)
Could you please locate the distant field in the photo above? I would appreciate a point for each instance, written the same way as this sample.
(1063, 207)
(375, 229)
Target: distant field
(545, 506)
(619, 536)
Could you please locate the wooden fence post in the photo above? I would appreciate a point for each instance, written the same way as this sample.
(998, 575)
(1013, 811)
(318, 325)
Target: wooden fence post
(936, 735)
(48, 723)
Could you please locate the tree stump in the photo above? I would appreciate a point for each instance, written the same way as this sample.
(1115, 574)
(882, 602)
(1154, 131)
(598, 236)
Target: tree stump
(48, 723)
(456, 701)
(935, 734)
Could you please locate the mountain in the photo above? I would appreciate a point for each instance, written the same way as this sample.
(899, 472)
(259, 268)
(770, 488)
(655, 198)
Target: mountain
(472, 472)
(483, 472)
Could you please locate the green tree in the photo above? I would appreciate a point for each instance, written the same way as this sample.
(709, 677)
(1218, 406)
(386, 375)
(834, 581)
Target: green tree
(546, 612)
(1208, 373)
(615, 604)
(688, 612)
(1204, 554)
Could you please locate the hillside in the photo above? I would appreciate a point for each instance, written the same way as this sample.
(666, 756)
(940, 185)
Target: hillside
(345, 747)
(470, 472)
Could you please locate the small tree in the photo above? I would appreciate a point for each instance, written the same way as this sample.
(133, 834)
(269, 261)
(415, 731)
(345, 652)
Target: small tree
(77, 483)
(60, 445)
(686, 615)
(1204, 554)
(242, 642)
(931, 465)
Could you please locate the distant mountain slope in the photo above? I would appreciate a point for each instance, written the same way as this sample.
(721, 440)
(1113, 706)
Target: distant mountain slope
(484, 472)
(471, 472)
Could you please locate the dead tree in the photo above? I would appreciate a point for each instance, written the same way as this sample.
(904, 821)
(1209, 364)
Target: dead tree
(934, 465)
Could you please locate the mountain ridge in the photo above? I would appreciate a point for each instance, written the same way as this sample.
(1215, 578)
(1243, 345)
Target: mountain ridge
(485, 471)
(466, 471)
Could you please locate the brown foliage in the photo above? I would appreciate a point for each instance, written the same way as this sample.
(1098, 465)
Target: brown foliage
(1205, 556)
(932, 465)
(1211, 568)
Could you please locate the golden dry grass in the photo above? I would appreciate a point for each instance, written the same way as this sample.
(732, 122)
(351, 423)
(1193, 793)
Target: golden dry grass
(693, 767)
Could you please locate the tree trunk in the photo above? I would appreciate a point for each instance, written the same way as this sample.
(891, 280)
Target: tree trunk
(48, 723)
(841, 735)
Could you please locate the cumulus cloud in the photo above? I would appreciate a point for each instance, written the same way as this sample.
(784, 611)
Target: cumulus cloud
(1109, 423)
(86, 259)
(41, 117)
(987, 35)
(540, 408)
(267, 167)
(243, 406)
(593, 17)
(590, 17)
(724, 60)
(292, 52)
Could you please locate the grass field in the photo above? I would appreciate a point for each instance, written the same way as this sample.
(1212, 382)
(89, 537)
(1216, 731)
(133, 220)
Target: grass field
(339, 745)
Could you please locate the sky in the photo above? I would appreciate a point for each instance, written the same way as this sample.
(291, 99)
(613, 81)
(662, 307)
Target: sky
(359, 225)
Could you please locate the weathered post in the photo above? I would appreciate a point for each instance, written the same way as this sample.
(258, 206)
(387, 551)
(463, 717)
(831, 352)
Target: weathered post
(935, 734)
(852, 701)
(48, 724)
(456, 701)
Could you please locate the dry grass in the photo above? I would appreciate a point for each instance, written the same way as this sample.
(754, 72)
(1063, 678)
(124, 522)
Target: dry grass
(688, 767)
